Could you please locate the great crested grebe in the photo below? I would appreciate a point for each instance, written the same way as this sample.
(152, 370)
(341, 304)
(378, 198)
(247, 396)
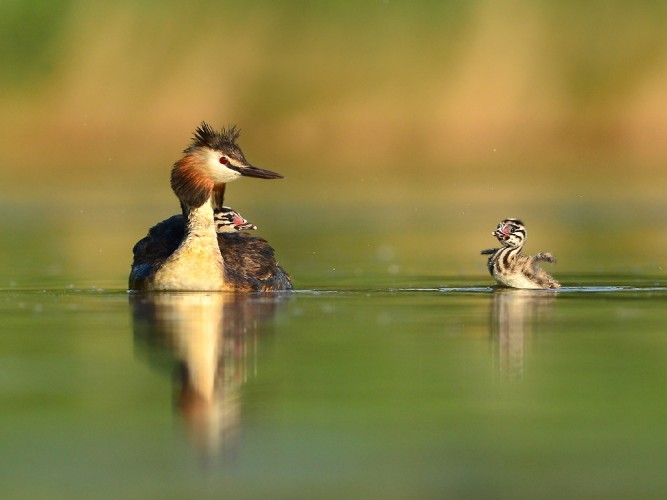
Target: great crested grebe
(186, 252)
(509, 267)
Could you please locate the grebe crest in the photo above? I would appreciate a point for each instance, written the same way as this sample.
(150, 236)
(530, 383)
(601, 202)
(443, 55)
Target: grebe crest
(211, 159)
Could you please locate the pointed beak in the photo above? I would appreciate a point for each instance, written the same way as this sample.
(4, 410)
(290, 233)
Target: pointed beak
(252, 171)
(246, 226)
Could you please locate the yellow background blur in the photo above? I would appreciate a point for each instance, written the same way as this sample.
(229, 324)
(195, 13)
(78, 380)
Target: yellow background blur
(413, 125)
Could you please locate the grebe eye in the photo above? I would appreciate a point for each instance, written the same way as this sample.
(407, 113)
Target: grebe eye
(223, 160)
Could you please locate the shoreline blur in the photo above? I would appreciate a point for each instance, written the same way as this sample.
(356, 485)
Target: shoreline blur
(432, 86)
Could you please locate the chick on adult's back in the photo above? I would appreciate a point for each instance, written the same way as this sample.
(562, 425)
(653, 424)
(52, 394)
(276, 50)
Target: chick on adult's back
(185, 252)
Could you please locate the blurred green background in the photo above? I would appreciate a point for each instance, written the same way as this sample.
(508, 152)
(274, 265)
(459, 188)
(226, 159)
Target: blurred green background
(405, 131)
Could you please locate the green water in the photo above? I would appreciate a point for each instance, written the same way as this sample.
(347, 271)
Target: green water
(394, 371)
(448, 391)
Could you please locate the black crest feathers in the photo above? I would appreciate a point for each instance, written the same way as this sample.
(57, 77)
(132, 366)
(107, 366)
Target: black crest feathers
(207, 137)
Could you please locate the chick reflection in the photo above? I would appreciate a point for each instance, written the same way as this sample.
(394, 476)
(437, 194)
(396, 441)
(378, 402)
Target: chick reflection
(515, 316)
(210, 338)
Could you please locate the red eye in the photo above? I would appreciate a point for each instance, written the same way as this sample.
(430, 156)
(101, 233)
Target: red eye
(223, 160)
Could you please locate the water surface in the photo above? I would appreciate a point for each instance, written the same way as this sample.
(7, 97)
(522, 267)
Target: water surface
(455, 390)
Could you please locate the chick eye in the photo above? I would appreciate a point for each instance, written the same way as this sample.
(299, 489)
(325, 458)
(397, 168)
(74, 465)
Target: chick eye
(223, 160)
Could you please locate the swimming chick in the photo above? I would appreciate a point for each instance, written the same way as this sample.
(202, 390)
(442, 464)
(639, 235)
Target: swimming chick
(509, 267)
(186, 252)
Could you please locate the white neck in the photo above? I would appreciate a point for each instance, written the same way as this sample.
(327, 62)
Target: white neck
(199, 222)
(197, 263)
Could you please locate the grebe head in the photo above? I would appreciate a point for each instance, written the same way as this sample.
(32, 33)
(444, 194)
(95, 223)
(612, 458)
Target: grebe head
(212, 158)
(511, 233)
(228, 220)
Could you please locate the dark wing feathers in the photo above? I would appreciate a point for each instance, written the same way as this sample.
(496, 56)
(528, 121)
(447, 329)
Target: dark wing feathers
(250, 262)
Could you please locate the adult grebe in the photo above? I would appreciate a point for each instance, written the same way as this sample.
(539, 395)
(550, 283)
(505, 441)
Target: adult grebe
(509, 267)
(185, 252)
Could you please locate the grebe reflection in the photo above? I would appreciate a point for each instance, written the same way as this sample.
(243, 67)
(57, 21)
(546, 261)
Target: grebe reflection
(210, 340)
(515, 317)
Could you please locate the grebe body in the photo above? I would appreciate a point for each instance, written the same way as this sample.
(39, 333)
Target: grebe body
(249, 261)
(190, 252)
(510, 267)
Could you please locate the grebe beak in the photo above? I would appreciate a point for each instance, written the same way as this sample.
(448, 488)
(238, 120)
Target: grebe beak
(252, 171)
(246, 226)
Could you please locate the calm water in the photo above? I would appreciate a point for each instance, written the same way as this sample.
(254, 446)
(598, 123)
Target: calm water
(395, 371)
(452, 390)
